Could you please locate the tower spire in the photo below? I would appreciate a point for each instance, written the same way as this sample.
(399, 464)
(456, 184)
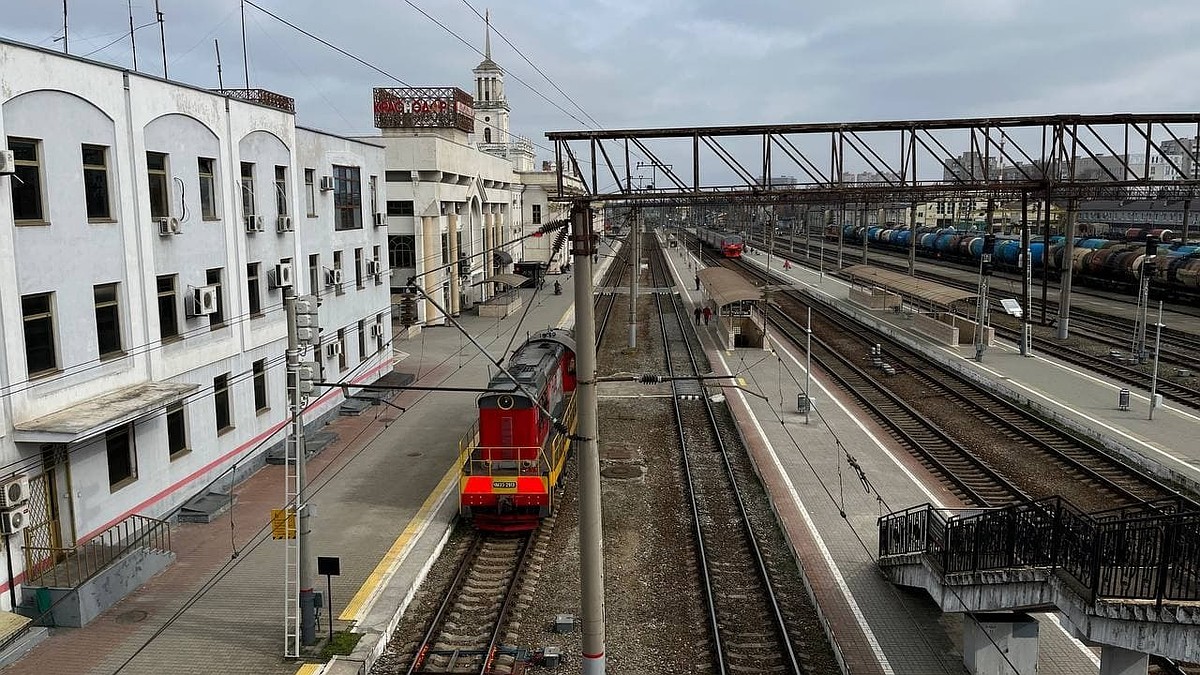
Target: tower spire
(487, 41)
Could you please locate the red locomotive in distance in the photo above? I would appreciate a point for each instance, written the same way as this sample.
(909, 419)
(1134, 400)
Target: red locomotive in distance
(730, 245)
(512, 458)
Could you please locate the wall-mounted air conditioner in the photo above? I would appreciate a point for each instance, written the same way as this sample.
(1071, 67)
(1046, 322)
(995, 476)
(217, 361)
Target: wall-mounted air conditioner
(333, 277)
(12, 522)
(202, 301)
(326, 183)
(14, 491)
(283, 224)
(281, 275)
(253, 223)
(333, 349)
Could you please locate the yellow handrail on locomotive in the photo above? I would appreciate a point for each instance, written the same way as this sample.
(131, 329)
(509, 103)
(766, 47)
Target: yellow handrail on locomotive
(472, 463)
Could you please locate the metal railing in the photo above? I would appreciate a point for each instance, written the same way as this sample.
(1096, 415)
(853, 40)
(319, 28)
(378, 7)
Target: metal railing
(1147, 552)
(480, 460)
(62, 567)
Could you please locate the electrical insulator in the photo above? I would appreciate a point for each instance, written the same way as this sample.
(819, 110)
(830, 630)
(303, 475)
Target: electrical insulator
(307, 323)
(309, 372)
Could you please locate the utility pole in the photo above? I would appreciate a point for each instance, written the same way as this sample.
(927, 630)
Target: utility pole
(300, 620)
(162, 36)
(591, 531)
(1064, 283)
(245, 61)
(982, 314)
(1026, 278)
(635, 269)
(1143, 307)
(1154, 377)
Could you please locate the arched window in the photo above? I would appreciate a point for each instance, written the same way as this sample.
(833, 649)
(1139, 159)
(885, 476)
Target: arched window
(402, 252)
(487, 135)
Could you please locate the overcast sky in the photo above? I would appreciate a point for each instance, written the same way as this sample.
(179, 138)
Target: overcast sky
(644, 63)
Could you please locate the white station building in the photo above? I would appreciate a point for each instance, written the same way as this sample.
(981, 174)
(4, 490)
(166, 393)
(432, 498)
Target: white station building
(146, 227)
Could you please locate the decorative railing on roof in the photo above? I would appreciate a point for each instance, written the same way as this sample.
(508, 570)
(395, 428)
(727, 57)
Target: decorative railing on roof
(260, 96)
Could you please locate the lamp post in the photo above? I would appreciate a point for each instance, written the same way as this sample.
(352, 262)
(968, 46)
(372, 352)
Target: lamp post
(1154, 375)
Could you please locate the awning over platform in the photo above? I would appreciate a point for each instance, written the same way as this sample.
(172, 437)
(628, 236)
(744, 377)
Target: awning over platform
(910, 287)
(514, 280)
(725, 286)
(99, 414)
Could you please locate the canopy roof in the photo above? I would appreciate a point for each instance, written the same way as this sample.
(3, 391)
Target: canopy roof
(725, 286)
(911, 287)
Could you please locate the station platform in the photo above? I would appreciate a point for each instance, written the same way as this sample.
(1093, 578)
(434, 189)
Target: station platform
(384, 500)
(812, 473)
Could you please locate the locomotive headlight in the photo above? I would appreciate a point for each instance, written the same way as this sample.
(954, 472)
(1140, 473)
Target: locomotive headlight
(505, 402)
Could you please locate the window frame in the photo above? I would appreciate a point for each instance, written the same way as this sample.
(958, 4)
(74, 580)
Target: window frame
(347, 197)
(223, 403)
(46, 315)
(536, 214)
(209, 206)
(111, 306)
(159, 208)
(254, 304)
(129, 432)
(360, 281)
(106, 181)
(262, 397)
(310, 192)
(281, 192)
(176, 334)
(400, 208)
(216, 320)
(246, 182)
(39, 193)
(176, 414)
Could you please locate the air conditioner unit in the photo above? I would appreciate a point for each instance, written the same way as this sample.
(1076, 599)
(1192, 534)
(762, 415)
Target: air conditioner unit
(376, 330)
(281, 276)
(372, 268)
(168, 226)
(7, 162)
(14, 492)
(333, 349)
(203, 301)
(333, 277)
(283, 224)
(12, 522)
(253, 223)
(380, 220)
(326, 183)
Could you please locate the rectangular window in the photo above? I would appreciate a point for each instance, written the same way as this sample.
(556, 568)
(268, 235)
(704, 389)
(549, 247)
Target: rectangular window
(260, 386)
(108, 320)
(310, 192)
(358, 268)
(248, 190)
(26, 182)
(95, 182)
(399, 207)
(377, 259)
(221, 403)
(341, 338)
(314, 274)
(208, 189)
(379, 339)
(254, 288)
(168, 312)
(374, 183)
(397, 176)
(281, 195)
(337, 266)
(38, 313)
(362, 339)
(122, 457)
(216, 319)
(160, 186)
(176, 430)
(537, 214)
(347, 198)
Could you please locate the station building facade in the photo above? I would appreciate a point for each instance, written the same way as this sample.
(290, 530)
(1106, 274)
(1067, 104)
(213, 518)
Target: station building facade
(147, 227)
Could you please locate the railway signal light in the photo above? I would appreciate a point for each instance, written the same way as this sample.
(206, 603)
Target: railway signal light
(307, 323)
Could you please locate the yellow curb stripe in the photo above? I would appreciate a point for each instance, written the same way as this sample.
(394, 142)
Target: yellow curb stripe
(310, 669)
(398, 550)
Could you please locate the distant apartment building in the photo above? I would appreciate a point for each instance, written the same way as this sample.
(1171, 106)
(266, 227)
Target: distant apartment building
(149, 228)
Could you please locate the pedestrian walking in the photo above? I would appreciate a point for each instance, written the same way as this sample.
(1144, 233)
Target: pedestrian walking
(697, 282)
(707, 315)
(698, 314)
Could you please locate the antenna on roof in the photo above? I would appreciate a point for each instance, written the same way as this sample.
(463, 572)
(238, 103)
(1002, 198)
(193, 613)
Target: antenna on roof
(132, 37)
(220, 81)
(65, 27)
(162, 36)
(487, 40)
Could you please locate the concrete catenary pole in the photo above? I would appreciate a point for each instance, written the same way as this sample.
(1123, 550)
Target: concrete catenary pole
(591, 542)
(307, 599)
(1026, 278)
(635, 269)
(1064, 284)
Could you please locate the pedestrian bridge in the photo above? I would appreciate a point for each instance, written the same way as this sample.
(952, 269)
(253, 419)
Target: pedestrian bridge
(1127, 579)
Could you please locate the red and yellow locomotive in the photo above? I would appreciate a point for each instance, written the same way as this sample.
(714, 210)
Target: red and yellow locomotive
(512, 458)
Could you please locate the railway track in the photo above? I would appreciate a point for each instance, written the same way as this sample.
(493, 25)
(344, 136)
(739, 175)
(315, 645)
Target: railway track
(1089, 475)
(747, 625)
(1180, 349)
(464, 632)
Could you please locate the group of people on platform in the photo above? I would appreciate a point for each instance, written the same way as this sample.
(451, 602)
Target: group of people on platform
(703, 312)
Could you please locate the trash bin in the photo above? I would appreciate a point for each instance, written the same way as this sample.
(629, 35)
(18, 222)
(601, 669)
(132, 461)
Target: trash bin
(1123, 399)
(802, 403)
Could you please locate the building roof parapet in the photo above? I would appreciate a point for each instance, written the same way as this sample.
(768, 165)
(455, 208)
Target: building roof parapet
(261, 97)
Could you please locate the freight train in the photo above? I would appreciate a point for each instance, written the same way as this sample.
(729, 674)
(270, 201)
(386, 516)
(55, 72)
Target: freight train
(512, 458)
(729, 244)
(1113, 264)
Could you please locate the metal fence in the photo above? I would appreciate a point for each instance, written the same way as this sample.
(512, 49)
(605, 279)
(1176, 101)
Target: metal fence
(76, 565)
(1146, 552)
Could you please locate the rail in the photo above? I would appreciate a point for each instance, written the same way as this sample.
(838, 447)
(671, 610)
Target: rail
(63, 567)
(1151, 552)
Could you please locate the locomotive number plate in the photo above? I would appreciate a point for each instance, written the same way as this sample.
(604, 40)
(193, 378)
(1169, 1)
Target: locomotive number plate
(504, 485)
